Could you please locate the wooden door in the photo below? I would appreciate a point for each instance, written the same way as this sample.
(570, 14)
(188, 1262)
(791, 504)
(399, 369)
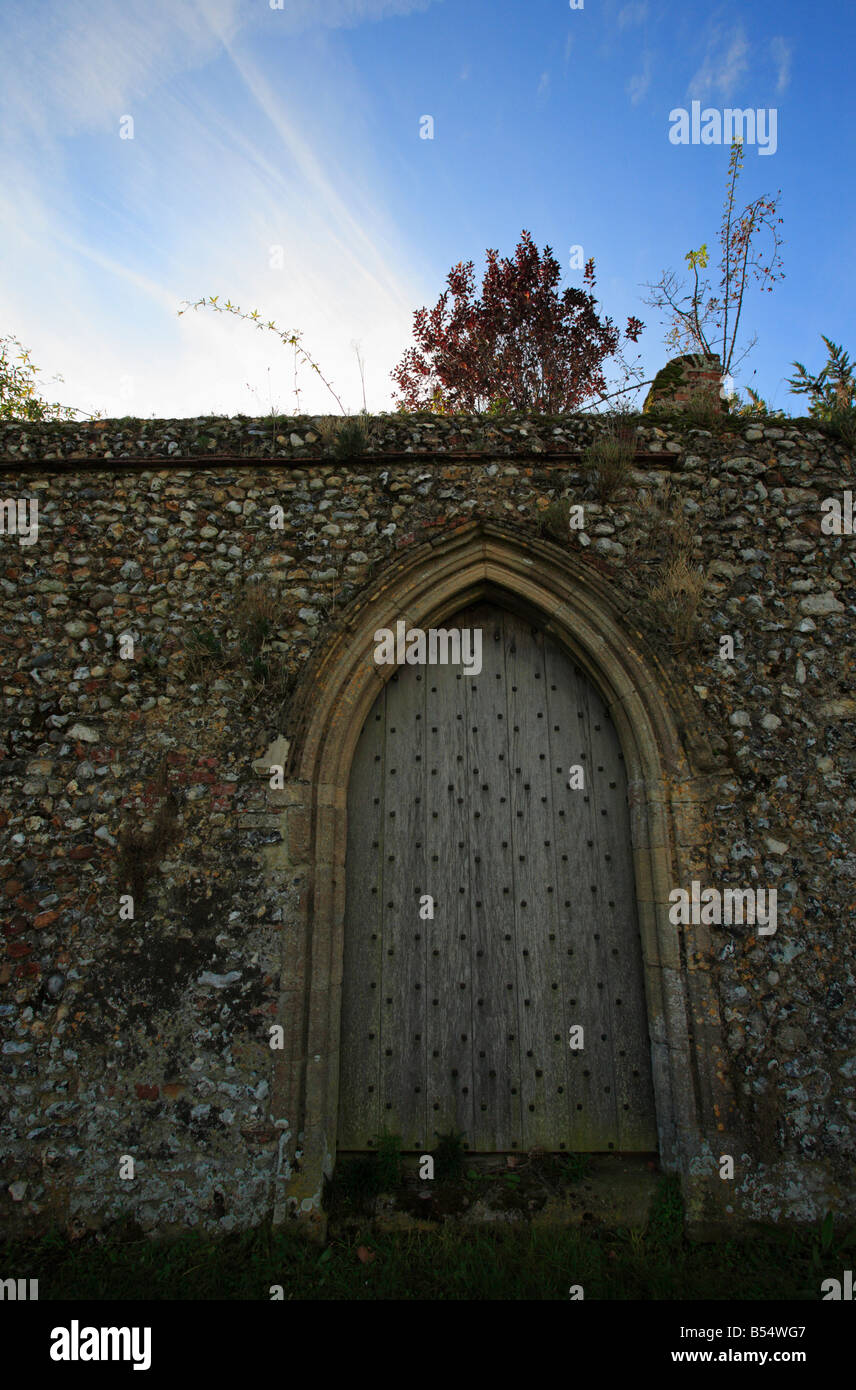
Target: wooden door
(460, 790)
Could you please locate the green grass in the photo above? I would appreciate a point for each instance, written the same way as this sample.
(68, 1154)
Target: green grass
(453, 1263)
(388, 1160)
(449, 1155)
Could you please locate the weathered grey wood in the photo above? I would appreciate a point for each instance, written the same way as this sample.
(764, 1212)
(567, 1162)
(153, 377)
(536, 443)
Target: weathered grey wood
(496, 1056)
(448, 1007)
(592, 1109)
(404, 1042)
(460, 790)
(544, 1110)
(627, 1042)
(359, 1073)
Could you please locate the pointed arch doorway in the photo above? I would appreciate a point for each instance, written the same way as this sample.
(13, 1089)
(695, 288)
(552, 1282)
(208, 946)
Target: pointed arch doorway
(493, 979)
(664, 746)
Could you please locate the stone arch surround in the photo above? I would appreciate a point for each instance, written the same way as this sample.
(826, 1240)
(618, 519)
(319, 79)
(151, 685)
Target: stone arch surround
(669, 785)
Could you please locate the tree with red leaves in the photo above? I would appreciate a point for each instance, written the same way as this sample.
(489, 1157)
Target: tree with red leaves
(521, 346)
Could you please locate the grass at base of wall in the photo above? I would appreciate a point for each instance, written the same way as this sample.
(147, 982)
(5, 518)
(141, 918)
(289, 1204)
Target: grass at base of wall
(451, 1263)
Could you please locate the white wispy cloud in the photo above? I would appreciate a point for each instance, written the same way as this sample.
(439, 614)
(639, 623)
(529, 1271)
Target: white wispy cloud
(638, 85)
(781, 53)
(79, 66)
(543, 84)
(84, 61)
(724, 63)
(193, 206)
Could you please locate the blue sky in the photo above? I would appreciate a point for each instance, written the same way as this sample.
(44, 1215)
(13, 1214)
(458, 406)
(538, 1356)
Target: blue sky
(299, 128)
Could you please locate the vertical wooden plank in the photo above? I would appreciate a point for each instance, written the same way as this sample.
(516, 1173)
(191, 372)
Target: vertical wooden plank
(607, 1040)
(496, 1060)
(359, 1067)
(404, 1044)
(628, 1040)
(591, 1107)
(539, 996)
(449, 993)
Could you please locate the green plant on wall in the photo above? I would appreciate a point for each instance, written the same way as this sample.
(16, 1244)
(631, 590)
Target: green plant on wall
(257, 612)
(665, 546)
(19, 382)
(247, 648)
(609, 457)
(832, 393)
(348, 438)
(755, 408)
(204, 652)
(676, 598)
(834, 387)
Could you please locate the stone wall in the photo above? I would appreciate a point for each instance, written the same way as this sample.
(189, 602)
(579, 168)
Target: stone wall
(233, 552)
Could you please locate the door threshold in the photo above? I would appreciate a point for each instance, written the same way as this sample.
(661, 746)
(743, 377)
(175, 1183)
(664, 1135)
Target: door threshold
(541, 1189)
